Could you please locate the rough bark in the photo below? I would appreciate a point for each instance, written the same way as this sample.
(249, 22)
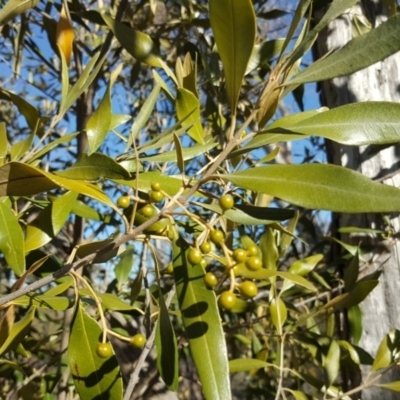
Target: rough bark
(380, 82)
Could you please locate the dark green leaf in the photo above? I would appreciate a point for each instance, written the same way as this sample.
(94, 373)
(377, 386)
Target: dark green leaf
(319, 186)
(59, 303)
(351, 273)
(167, 348)
(94, 377)
(234, 26)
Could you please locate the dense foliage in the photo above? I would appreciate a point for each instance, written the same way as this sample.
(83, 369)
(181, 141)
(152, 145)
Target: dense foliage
(197, 239)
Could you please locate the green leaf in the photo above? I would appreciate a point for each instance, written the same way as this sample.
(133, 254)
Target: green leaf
(305, 265)
(85, 211)
(278, 312)
(250, 215)
(332, 362)
(383, 356)
(354, 316)
(395, 386)
(83, 82)
(94, 377)
(20, 148)
(144, 114)
(359, 53)
(18, 331)
(188, 153)
(99, 122)
(59, 303)
(351, 273)
(202, 324)
(30, 113)
(95, 166)
(53, 144)
(167, 348)
(352, 124)
(139, 45)
(336, 8)
(3, 142)
(234, 26)
(188, 106)
(263, 52)
(15, 7)
(49, 222)
(88, 248)
(319, 186)
(11, 239)
(179, 156)
(109, 301)
(124, 267)
(247, 364)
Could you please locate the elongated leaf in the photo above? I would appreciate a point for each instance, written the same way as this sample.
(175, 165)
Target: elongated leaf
(110, 301)
(357, 54)
(3, 142)
(30, 113)
(263, 52)
(84, 81)
(124, 267)
(65, 35)
(278, 312)
(332, 362)
(20, 148)
(17, 179)
(11, 239)
(234, 26)
(167, 348)
(303, 266)
(179, 157)
(354, 316)
(188, 106)
(247, 364)
(94, 377)
(336, 8)
(187, 153)
(50, 222)
(12, 8)
(352, 124)
(52, 145)
(85, 211)
(18, 331)
(395, 386)
(59, 303)
(144, 114)
(94, 166)
(202, 325)
(251, 215)
(320, 186)
(383, 356)
(139, 45)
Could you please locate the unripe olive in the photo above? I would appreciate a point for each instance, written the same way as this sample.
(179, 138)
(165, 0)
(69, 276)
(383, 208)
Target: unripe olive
(227, 300)
(194, 256)
(226, 202)
(248, 289)
(104, 350)
(210, 280)
(138, 341)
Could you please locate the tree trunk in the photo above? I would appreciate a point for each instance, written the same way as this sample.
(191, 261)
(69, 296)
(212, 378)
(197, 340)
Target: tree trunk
(380, 82)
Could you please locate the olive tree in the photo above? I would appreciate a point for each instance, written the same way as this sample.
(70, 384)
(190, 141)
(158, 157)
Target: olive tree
(194, 254)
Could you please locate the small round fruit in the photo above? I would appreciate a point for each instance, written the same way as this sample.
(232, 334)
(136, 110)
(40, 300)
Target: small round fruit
(169, 269)
(205, 247)
(210, 280)
(156, 186)
(227, 300)
(104, 350)
(217, 236)
(156, 196)
(239, 255)
(138, 341)
(203, 263)
(226, 202)
(148, 210)
(124, 202)
(195, 256)
(253, 263)
(248, 289)
(252, 250)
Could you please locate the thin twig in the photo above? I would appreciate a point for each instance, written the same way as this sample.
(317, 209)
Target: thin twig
(134, 378)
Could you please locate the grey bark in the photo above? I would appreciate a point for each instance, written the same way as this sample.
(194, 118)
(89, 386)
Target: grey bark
(380, 82)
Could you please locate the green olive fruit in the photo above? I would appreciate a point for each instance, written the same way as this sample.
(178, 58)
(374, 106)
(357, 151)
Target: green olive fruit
(227, 300)
(138, 341)
(194, 256)
(217, 236)
(124, 202)
(248, 289)
(253, 263)
(156, 186)
(210, 280)
(155, 196)
(205, 247)
(147, 210)
(104, 350)
(226, 202)
(252, 250)
(239, 255)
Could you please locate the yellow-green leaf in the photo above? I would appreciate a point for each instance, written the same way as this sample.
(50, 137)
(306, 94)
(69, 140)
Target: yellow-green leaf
(11, 239)
(94, 377)
(188, 105)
